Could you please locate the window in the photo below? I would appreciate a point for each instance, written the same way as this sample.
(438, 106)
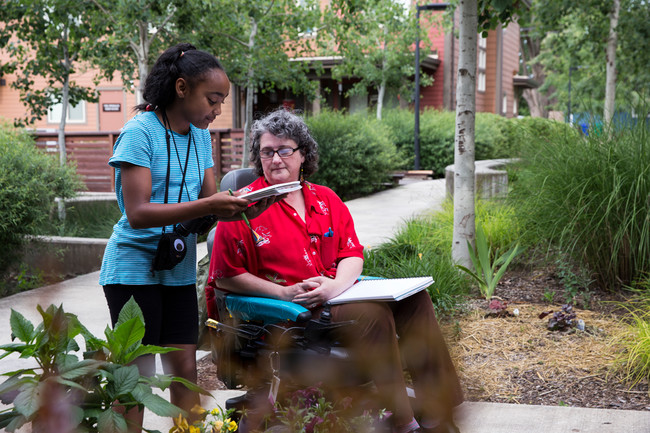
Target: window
(504, 104)
(482, 63)
(76, 114)
(514, 107)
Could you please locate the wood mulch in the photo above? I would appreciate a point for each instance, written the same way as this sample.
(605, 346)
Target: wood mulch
(516, 359)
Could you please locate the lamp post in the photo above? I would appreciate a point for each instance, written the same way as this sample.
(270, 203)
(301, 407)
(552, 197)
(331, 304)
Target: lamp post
(568, 110)
(418, 8)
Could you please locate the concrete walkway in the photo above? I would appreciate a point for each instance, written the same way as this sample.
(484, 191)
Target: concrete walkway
(376, 219)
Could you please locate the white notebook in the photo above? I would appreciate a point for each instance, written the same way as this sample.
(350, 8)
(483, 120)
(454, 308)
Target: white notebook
(390, 289)
(271, 191)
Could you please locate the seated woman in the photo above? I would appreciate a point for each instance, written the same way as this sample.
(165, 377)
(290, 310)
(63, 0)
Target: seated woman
(307, 252)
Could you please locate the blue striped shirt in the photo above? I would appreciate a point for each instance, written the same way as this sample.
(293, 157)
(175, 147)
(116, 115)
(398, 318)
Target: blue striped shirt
(129, 252)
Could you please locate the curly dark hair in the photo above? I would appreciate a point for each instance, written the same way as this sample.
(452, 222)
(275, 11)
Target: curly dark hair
(180, 61)
(285, 124)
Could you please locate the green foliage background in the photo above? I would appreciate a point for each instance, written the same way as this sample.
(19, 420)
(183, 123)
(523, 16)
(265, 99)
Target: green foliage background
(29, 182)
(589, 198)
(356, 154)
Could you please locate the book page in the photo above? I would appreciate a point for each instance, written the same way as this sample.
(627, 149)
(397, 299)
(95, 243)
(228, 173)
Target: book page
(390, 289)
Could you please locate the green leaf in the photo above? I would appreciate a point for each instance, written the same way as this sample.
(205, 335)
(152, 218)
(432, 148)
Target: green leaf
(130, 310)
(80, 369)
(124, 380)
(110, 421)
(127, 334)
(13, 383)
(146, 350)
(27, 401)
(191, 386)
(160, 406)
(21, 328)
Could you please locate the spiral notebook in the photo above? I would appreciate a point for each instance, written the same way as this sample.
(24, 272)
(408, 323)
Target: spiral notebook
(389, 289)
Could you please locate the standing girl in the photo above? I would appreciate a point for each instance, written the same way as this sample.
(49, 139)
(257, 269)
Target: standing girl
(163, 177)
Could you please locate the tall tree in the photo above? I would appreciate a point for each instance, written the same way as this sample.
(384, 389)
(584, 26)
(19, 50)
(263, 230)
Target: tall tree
(607, 55)
(49, 39)
(375, 40)
(464, 189)
(475, 16)
(131, 30)
(256, 42)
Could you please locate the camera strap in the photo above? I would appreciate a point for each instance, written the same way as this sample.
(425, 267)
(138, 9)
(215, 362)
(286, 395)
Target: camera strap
(167, 127)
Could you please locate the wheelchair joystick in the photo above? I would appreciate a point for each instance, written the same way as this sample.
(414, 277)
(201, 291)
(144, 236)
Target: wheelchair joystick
(326, 314)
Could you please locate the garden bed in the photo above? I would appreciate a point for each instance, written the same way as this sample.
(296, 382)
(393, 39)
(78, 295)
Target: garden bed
(516, 359)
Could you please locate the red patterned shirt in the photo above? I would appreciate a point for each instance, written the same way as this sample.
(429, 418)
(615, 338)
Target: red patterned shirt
(288, 249)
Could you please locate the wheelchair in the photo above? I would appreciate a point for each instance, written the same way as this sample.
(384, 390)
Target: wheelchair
(272, 348)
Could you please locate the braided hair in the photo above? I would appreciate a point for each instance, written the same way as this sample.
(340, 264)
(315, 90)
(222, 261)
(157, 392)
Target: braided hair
(180, 61)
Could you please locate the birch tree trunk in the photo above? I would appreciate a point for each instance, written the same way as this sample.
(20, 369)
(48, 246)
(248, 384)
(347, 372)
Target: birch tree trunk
(610, 77)
(464, 136)
(250, 91)
(380, 98)
(65, 102)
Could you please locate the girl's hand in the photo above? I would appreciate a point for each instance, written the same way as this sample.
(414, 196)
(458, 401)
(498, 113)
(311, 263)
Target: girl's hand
(227, 207)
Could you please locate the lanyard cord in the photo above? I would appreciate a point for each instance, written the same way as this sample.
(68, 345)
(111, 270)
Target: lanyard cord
(190, 139)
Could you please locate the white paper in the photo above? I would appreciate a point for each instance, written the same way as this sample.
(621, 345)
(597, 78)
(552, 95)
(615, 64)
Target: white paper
(391, 289)
(271, 191)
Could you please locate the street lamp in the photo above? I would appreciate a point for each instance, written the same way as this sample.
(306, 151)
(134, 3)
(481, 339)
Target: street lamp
(418, 8)
(571, 69)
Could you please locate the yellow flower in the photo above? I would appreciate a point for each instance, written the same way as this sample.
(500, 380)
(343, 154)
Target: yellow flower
(194, 429)
(217, 426)
(232, 425)
(198, 410)
(180, 425)
(215, 411)
(420, 256)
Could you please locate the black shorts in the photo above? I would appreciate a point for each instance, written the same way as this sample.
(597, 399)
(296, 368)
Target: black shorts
(171, 313)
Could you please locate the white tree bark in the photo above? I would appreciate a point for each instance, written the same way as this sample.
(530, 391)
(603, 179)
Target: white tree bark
(464, 136)
(610, 77)
(250, 92)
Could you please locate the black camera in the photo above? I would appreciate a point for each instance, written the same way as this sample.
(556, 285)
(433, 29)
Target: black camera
(172, 247)
(199, 225)
(170, 252)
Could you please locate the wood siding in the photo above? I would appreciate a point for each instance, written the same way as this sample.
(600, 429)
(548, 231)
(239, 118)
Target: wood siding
(90, 151)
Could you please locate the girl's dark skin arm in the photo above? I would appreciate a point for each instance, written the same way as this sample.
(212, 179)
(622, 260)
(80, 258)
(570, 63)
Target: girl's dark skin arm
(141, 213)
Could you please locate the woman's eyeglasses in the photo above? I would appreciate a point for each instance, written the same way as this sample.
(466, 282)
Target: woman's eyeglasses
(283, 152)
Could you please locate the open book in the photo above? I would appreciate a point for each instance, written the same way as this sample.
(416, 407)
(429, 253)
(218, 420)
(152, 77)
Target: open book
(271, 191)
(390, 289)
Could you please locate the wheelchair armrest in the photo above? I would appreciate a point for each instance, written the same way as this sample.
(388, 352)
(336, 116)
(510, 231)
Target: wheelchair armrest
(267, 310)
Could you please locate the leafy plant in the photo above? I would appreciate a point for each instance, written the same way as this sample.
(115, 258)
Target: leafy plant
(486, 273)
(30, 180)
(548, 296)
(309, 411)
(81, 391)
(562, 320)
(576, 284)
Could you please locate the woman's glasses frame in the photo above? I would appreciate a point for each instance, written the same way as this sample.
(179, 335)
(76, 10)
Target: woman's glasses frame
(283, 152)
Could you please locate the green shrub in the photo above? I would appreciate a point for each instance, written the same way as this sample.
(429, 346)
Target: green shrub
(423, 247)
(356, 156)
(29, 182)
(87, 219)
(437, 130)
(514, 132)
(588, 196)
